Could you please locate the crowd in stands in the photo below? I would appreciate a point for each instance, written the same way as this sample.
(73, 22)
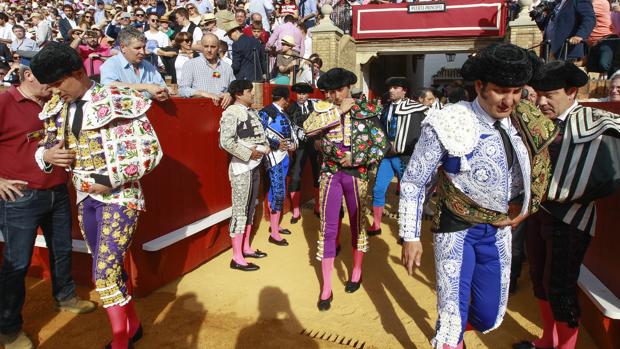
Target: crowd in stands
(199, 45)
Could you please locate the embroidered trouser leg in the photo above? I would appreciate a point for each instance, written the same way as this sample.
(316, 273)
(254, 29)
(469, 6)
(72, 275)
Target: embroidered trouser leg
(108, 229)
(277, 185)
(302, 155)
(332, 189)
(555, 252)
(473, 275)
(244, 194)
(388, 168)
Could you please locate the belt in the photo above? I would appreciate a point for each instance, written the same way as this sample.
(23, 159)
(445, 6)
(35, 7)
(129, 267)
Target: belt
(24, 187)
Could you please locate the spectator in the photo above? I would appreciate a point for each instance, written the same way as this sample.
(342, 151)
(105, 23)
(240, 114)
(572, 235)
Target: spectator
(223, 52)
(100, 17)
(288, 8)
(248, 55)
(286, 62)
(603, 42)
(204, 6)
(67, 22)
(571, 20)
(155, 39)
(21, 42)
(194, 15)
(129, 69)
(164, 26)
(75, 34)
(306, 42)
(185, 25)
(264, 8)
(207, 75)
(87, 20)
(121, 20)
(311, 70)
(256, 30)
(175, 56)
(6, 29)
(308, 13)
(5, 54)
(43, 29)
(240, 17)
(287, 29)
(140, 20)
(223, 15)
(93, 54)
(613, 94)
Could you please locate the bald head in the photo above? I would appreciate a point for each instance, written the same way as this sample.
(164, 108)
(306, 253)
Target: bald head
(210, 45)
(256, 17)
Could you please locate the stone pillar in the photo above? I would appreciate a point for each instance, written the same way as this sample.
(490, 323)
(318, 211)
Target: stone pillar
(523, 31)
(326, 38)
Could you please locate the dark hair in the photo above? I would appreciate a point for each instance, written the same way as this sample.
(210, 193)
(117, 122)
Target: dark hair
(257, 25)
(221, 4)
(458, 94)
(317, 60)
(179, 38)
(223, 46)
(67, 6)
(17, 26)
(54, 62)
(240, 10)
(183, 12)
(421, 93)
(289, 18)
(238, 86)
(4, 17)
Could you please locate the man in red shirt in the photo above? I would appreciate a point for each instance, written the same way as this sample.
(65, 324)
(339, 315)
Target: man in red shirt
(255, 29)
(29, 199)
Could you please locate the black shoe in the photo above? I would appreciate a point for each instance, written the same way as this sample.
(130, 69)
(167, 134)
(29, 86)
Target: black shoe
(283, 231)
(249, 267)
(129, 345)
(351, 287)
(282, 242)
(256, 254)
(325, 304)
(371, 232)
(294, 220)
(138, 335)
(526, 345)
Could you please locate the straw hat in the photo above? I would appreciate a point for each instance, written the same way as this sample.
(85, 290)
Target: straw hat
(288, 40)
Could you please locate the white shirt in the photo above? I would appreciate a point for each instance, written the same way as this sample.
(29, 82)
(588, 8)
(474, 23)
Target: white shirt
(179, 62)
(6, 32)
(162, 39)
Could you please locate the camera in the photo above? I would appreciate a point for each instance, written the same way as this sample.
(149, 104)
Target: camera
(545, 6)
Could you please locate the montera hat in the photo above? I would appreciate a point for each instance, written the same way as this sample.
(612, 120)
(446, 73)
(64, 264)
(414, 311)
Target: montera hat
(557, 75)
(399, 81)
(503, 64)
(280, 92)
(54, 62)
(336, 78)
(302, 87)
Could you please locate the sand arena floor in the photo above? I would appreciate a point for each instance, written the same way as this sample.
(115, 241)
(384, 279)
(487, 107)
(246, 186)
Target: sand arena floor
(216, 307)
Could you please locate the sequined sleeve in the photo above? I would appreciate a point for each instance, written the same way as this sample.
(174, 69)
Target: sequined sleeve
(422, 167)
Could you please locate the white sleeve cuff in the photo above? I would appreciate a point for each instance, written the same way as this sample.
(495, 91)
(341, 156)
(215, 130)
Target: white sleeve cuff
(38, 156)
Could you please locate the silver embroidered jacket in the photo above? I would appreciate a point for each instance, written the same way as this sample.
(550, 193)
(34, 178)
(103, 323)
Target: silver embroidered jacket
(462, 140)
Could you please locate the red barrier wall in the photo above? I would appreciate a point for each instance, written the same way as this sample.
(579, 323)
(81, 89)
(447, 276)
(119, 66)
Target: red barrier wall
(190, 183)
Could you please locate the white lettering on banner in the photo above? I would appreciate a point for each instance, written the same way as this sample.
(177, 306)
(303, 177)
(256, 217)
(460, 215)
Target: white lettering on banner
(420, 8)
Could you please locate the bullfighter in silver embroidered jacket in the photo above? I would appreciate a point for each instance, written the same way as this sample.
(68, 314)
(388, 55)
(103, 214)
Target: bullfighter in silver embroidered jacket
(242, 135)
(481, 165)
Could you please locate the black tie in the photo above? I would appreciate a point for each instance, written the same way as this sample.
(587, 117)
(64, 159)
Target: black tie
(506, 140)
(76, 127)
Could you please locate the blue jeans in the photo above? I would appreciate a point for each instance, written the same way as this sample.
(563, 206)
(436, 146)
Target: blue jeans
(49, 209)
(388, 168)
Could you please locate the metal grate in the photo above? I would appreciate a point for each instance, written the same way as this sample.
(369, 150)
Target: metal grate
(335, 338)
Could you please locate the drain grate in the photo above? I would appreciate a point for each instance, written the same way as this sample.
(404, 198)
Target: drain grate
(334, 338)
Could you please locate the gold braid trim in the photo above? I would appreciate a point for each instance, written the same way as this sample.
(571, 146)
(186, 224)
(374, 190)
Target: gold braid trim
(453, 199)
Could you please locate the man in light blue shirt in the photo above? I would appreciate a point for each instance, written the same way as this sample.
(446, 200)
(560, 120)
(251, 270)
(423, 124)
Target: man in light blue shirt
(129, 69)
(307, 13)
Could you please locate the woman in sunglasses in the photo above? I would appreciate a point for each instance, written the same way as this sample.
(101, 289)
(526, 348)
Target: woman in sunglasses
(175, 56)
(194, 15)
(87, 20)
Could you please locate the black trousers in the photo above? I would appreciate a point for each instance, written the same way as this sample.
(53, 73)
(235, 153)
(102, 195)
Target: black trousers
(304, 153)
(555, 251)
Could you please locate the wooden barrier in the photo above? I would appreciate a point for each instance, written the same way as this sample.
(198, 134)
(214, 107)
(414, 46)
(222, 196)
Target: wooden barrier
(187, 199)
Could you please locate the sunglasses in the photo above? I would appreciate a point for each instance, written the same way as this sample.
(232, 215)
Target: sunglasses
(139, 14)
(188, 40)
(88, 17)
(154, 20)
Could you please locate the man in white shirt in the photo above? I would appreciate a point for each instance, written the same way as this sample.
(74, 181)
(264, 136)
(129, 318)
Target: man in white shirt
(6, 29)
